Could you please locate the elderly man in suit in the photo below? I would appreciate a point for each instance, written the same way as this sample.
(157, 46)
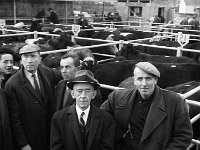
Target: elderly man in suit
(31, 101)
(69, 65)
(82, 126)
(148, 117)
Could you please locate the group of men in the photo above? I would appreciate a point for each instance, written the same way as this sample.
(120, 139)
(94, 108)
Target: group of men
(42, 118)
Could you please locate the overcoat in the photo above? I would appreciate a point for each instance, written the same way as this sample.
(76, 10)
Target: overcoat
(30, 115)
(60, 92)
(7, 142)
(167, 125)
(65, 133)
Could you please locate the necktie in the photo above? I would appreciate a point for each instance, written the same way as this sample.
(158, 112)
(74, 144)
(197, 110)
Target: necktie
(81, 119)
(37, 89)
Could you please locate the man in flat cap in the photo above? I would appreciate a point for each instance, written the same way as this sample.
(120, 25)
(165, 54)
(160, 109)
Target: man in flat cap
(31, 101)
(82, 126)
(6, 63)
(148, 117)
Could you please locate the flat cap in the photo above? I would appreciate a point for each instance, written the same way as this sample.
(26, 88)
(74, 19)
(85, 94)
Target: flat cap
(148, 68)
(30, 48)
(5, 50)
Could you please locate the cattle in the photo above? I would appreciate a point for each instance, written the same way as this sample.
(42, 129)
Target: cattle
(129, 51)
(113, 73)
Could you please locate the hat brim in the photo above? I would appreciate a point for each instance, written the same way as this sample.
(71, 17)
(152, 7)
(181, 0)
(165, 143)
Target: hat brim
(71, 84)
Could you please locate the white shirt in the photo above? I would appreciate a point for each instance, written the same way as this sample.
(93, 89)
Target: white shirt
(79, 112)
(30, 78)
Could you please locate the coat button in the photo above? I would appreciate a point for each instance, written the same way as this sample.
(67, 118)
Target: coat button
(36, 102)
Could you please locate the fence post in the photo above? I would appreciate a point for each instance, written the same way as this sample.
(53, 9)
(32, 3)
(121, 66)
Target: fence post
(121, 44)
(35, 35)
(179, 51)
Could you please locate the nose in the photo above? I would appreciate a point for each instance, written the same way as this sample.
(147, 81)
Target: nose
(10, 63)
(144, 82)
(83, 94)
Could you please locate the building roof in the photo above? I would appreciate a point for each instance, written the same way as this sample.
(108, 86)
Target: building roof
(192, 2)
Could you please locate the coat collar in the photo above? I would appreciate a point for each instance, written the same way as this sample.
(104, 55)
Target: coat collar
(156, 114)
(95, 118)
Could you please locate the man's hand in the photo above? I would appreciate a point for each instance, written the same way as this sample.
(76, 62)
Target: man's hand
(26, 147)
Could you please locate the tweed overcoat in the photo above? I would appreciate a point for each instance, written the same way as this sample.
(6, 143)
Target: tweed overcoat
(30, 115)
(167, 125)
(60, 92)
(7, 143)
(65, 133)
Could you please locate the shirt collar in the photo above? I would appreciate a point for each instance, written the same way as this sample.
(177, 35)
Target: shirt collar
(29, 75)
(79, 111)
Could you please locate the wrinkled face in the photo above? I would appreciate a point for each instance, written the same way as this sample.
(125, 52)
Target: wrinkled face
(67, 68)
(144, 82)
(83, 93)
(30, 61)
(6, 63)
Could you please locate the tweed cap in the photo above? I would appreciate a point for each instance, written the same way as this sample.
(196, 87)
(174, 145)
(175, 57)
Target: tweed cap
(148, 68)
(5, 50)
(30, 48)
(84, 76)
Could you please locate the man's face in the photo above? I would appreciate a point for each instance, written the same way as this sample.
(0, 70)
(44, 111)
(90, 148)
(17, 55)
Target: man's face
(144, 82)
(6, 63)
(67, 68)
(30, 61)
(83, 93)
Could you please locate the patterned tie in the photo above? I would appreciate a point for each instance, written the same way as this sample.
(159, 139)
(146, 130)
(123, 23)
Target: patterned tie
(81, 119)
(37, 89)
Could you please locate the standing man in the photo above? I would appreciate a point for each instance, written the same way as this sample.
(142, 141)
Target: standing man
(31, 101)
(148, 117)
(69, 65)
(82, 126)
(6, 142)
(53, 16)
(6, 63)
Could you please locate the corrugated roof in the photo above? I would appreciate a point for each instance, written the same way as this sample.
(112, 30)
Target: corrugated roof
(192, 2)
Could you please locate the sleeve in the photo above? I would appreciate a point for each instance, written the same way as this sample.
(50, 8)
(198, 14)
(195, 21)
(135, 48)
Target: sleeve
(20, 138)
(55, 135)
(182, 128)
(108, 139)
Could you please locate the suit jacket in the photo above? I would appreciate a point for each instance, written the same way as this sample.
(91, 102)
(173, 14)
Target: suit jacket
(7, 142)
(60, 92)
(167, 124)
(65, 133)
(29, 114)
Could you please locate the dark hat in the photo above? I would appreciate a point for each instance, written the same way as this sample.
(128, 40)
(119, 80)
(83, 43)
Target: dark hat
(29, 49)
(84, 76)
(148, 68)
(5, 50)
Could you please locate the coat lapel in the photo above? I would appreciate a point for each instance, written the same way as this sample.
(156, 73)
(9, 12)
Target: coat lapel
(73, 119)
(95, 117)
(156, 114)
(124, 110)
(28, 85)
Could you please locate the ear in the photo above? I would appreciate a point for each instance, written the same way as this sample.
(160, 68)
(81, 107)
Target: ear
(72, 94)
(94, 93)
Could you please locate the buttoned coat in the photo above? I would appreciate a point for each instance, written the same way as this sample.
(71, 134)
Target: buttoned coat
(60, 93)
(65, 133)
(29, 114)
(167, 125)
(7, 143)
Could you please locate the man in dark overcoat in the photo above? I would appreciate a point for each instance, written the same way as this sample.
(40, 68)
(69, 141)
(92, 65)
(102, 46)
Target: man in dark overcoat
(148, 117)
(82, 126)
(6, 142)
(31, 101)
(69, 65)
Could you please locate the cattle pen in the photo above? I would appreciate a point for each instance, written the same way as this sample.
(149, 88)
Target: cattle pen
(121, 43)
